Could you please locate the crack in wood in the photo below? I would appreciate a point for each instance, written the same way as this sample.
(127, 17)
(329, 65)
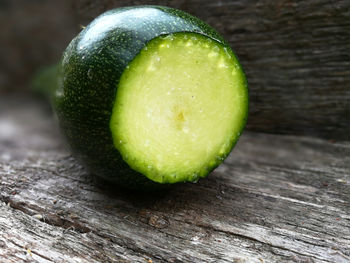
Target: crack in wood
(48, 218)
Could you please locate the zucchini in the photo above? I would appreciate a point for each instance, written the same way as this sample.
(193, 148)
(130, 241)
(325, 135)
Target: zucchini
(149, 96)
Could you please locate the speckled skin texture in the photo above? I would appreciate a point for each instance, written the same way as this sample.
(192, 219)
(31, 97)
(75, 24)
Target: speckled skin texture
(88, 79)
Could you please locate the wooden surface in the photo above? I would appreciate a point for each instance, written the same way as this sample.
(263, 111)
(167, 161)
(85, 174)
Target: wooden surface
(275, 199)
(296, 55)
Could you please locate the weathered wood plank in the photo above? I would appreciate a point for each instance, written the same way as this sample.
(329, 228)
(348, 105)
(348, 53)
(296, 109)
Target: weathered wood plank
(295, 53)
(276, 199)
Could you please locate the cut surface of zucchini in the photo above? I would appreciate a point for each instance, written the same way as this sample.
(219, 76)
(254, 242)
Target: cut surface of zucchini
(178, 108)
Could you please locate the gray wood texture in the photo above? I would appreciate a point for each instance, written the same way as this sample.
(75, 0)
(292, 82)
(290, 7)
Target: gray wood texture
(296, 55)
(276, 198)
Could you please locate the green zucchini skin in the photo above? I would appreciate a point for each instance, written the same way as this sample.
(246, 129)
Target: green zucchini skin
(88, 78)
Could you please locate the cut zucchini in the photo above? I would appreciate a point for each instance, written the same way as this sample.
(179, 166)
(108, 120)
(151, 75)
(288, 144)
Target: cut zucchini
(150, 95)
(178, 108)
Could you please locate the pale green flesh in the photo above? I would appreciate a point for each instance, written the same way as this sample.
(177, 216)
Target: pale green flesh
(179, 108)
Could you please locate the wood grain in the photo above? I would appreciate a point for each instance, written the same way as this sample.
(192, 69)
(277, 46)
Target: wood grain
(275, 199)
(296, 55)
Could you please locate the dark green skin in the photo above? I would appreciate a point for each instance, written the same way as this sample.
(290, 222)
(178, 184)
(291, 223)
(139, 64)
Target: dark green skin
(88, 80)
